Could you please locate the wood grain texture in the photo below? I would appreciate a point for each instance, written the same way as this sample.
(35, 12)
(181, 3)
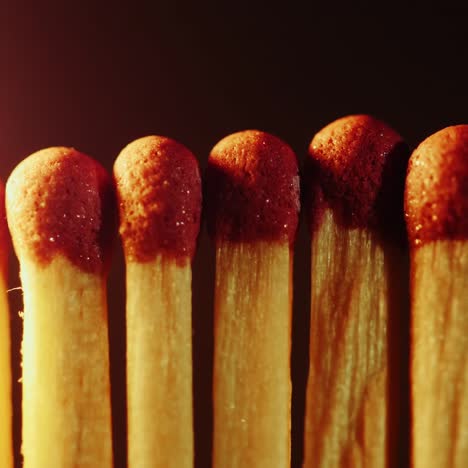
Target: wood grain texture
(66, 389)
(439, 365)
(159, 364)
(252, 388)
(348, 393)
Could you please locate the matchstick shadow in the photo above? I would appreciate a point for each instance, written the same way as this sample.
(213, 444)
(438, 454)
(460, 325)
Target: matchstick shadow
(300, 342)
(398, 401)
(202, 325)
(117, 352)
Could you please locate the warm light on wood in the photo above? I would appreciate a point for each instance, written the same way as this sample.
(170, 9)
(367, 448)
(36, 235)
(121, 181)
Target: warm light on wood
(159, 194)
(252, 389)
(159, 363)
(347, 393)
(439, 367)
(66, 391)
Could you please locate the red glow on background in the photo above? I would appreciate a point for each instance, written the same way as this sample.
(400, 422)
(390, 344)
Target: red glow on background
(97, 78)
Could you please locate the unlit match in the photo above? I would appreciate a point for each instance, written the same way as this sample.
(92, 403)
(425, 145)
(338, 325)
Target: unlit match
(6, 440)
(436, 209)
(356, 172)
(159, 192)
(60, 210)
(253, 205)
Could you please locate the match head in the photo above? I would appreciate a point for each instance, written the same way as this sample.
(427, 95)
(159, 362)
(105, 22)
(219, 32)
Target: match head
(356, 167)
(61, 202)
(436, 196)
(159, 192)
(252, 189)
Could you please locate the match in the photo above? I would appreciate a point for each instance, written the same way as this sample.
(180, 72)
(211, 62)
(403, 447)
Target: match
(253, 205)
(60, 211)
(355, 175)
(436, 210)
(159, 192)
(6, 438)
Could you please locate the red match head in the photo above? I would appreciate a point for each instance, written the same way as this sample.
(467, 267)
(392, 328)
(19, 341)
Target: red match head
(252, 189)
(61, 202)
(356, 167)
(436, 197)
(159, 191)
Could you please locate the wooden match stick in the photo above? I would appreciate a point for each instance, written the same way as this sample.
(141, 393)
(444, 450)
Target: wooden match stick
(6, 441)
(60, 209)
(253, 204)
(436, 209)
(355, 172)
(159, 191)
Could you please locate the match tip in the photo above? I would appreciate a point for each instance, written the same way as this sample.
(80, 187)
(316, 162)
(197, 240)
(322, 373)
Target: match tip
(159, 191)
(252, 188)
(436, 197)
(60, 201)
(356, 167)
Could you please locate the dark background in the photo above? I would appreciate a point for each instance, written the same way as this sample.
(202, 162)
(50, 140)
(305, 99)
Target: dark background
(96, 77)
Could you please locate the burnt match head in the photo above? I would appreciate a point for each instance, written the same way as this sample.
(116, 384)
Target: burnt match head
(436, 197)
(252, 189)
(159, 192)
(61, 202)
(356, 167)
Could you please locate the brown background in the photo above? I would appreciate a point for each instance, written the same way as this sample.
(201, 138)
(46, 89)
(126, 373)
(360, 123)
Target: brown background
(97, 77)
